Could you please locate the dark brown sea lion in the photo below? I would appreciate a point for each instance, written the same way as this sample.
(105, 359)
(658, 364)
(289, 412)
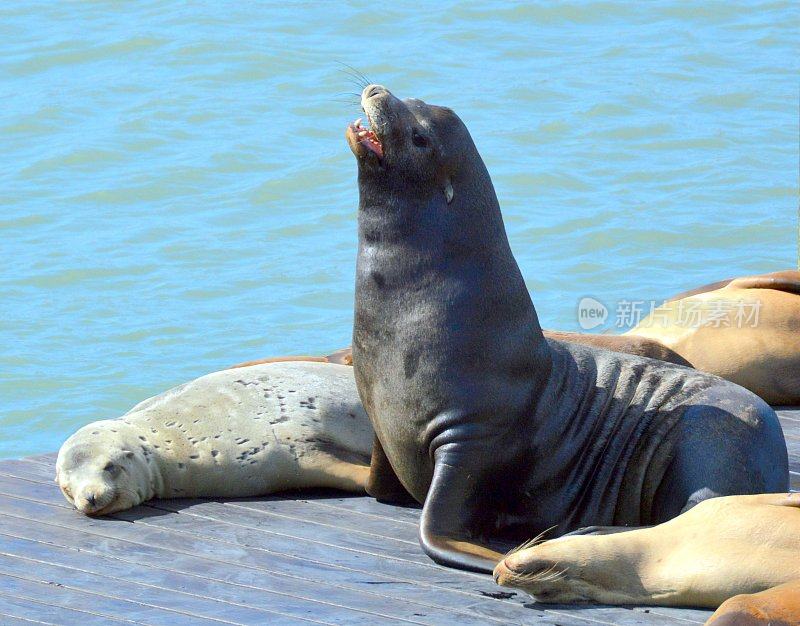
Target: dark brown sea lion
(544, 433)
(621, 343)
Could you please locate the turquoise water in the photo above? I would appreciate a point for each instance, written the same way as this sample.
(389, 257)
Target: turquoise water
(177, 194)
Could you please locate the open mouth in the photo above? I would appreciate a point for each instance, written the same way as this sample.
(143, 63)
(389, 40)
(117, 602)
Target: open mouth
(366, 138)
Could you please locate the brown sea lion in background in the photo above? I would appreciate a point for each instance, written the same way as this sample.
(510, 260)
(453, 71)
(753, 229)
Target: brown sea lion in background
(778, 606)
(621, 343)
(497, 430)
(746, 331)
(720, 548)
(784, 280)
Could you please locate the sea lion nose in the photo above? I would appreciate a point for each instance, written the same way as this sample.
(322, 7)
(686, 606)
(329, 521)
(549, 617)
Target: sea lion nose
(91, 499)
(371, 91)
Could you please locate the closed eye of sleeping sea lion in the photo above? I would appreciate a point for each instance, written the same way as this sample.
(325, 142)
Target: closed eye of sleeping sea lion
(720, 548)
(240, 432)
(544, 433)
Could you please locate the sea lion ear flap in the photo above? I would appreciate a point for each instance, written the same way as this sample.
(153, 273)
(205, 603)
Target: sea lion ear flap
(448, 190)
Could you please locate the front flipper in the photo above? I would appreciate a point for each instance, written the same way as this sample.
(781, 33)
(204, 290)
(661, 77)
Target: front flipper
(383, 483)
(452, 517)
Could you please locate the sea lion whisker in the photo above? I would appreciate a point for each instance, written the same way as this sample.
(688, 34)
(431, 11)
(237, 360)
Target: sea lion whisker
(531, 542)
(552, 576)
(544, 573)
(360, 74)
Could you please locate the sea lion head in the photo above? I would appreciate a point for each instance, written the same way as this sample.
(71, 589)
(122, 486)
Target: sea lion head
(417, 161)
(99, 472)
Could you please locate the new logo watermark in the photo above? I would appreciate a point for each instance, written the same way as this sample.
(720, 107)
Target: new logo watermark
(591, 313)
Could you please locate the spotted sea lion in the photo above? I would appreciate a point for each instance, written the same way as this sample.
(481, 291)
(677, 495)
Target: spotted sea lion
(239, 432)
(720, 548)
(544, 433)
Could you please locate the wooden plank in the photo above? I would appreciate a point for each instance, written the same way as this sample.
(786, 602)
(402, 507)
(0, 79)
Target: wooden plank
(455, 579)
(9, 620)
(345, 520)
(104, 604)
(71, 548)
(165, 601)
(243, 559)
(338, 501)
(39, 611)
(29, 549)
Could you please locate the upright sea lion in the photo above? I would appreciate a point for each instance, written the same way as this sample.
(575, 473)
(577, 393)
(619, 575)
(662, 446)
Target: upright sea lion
(240, 432)
(746, 331)
(539, 433)
(720, 548)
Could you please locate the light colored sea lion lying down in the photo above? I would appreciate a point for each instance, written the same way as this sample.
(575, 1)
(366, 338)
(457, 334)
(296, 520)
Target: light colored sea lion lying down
(241, 432)
(718, 549)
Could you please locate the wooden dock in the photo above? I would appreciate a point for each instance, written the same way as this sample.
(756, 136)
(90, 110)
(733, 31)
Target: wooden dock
(324, 558)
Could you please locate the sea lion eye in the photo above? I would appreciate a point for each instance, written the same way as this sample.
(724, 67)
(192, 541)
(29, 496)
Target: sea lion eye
(110, 467)
(419, 140)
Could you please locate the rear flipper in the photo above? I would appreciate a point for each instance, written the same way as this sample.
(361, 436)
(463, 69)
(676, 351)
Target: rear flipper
(451, 521)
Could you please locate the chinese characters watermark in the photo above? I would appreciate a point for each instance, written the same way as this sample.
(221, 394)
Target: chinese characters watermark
(691, 313)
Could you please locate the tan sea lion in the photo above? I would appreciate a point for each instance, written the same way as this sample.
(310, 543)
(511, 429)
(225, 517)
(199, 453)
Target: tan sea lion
(746, 331)
(720, 548)
(777, 606)
(340, 357)
(621, 343)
